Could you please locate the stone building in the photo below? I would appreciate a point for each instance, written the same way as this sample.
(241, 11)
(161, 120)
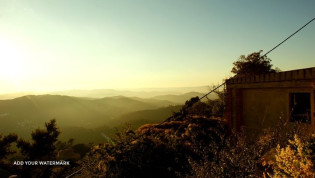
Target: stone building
(259, 101)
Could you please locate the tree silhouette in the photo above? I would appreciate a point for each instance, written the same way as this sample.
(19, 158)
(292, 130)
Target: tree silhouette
(43, 146)
(252, 64)
(5, 143)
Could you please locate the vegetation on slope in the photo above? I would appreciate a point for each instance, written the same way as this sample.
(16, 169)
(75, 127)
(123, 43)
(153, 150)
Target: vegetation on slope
(196, 146)
(180, 99)
(162, 149)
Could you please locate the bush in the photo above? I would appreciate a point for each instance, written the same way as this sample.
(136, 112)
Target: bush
(235, 158)
(294, 160)
(134, 155)
(157, 150)
(242, 156)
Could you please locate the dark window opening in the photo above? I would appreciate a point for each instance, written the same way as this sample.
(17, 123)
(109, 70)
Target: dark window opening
(300, 107)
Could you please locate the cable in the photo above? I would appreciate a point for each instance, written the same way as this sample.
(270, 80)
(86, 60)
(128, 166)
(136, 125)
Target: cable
(75, 172)
(72, 174)
(288, 37)
(212, 91)
(267, 52)
(260, 57)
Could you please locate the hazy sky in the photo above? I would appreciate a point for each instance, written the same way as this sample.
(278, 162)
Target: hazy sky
(48, 45)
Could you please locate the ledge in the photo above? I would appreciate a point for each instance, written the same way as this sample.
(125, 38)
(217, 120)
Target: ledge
(293, 75)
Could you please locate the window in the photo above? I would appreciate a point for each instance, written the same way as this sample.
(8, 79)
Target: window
(300, 107)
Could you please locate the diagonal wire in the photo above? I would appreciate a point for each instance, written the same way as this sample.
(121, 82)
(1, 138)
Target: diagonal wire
(267, 52)
(289, 37)
(199, 99)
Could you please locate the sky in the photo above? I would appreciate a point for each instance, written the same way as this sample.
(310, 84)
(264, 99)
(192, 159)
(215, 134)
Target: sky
(50, 45)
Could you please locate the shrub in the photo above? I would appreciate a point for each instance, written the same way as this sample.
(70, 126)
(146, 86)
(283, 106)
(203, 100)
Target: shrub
(236, 157)
(294, 160)
(157, 150)
(244, 156)
(135, 155)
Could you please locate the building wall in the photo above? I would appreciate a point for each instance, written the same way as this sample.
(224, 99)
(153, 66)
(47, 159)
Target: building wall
(263, 108)
(258, 102)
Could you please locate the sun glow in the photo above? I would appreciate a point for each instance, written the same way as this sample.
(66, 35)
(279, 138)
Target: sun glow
(12, 61)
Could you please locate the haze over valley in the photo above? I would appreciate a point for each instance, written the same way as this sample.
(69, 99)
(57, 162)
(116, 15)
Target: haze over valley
(87, 119)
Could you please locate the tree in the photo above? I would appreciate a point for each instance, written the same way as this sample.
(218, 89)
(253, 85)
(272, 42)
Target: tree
(253, 64)
(43, 147)
(5, 150)
(5, 143)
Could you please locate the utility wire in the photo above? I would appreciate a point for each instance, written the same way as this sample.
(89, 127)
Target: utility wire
(212, 91)
(289, 37)
(199, 99)
(72, 174)
(266, 53)
(75, 172)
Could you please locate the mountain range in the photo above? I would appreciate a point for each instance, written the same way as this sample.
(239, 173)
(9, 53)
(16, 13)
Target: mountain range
(101, 93)
(24, 114)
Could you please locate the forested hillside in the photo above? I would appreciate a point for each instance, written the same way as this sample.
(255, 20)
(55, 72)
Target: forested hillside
(89, 116)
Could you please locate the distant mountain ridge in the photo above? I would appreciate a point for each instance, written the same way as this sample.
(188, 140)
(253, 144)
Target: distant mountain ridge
(101, 93)
(70, 110)
(24, 114)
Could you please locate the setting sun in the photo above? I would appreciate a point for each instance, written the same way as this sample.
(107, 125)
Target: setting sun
(12, 61)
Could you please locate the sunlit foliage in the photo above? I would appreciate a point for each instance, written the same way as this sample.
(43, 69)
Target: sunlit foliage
(294, 160)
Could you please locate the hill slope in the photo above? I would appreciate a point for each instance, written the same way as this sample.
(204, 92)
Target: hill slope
(180, 99)
(29, 112)
(138, 118)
